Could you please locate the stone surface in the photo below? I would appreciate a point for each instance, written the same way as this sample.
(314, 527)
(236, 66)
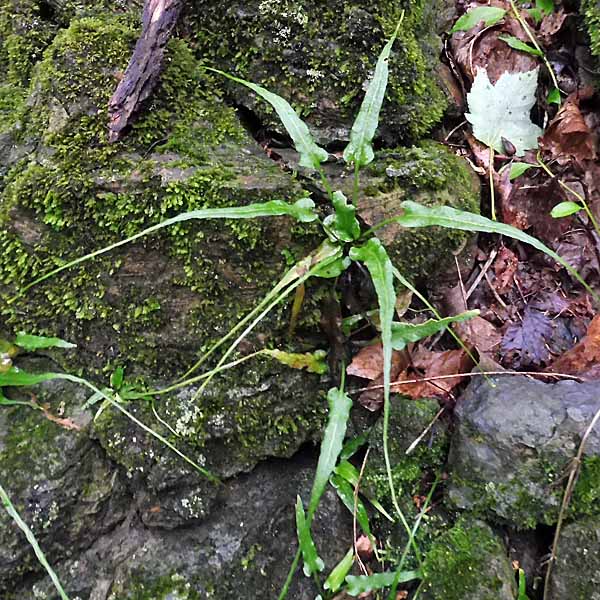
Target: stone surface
(243, 550)
(576, 573)
(326, 71)
(468, 562)
(513, 443)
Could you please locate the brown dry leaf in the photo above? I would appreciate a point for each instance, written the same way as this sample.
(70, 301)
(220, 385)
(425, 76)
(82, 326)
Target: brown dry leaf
(568, 135)
(368, 363)
(505, 267)
(551, 26)
(65, 423)
(426, 364)
(364, 548)
(480, 334)
(584, 358)
(372, 399)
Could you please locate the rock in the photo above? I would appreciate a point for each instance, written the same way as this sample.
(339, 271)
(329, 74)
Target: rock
(60, 481)
(244, 550)
(468, 562)
(576, 572)
(326, 72)
(513, 445)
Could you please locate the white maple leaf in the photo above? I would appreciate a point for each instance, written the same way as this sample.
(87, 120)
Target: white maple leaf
(503, 110)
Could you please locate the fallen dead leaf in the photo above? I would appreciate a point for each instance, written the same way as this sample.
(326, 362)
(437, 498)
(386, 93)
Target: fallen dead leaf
(505, 267)
(364, 548)
(568, 136)
(426, 363)
(65, 423)
(584, 358)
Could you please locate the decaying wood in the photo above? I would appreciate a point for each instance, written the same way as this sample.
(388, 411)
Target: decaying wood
(142, 73)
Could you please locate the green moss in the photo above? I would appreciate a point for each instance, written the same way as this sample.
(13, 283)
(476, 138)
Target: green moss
(468, 561)
(323, 77)
(431, 175)
(169, 587)
(591, 14)
(85, 193)
(586, 497)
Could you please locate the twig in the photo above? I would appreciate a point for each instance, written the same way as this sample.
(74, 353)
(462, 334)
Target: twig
(425, 431)
(573, 475)
(476, 374)
(354, 511)
(483, 271)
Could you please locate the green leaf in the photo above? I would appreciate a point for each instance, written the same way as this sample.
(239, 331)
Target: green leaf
(565, 209)
(331, 446)
(333, 269)
(502, 110)
(302, 210)
(554, 97)
(346, 494)
(417, 215)
(348, 471)
(313, 362)
(490, 15)
(517, 44)
(312, 562)
(378, 263)
(116, 379)
(360, 150)
(522, 586)
(343, 223)
(405, 333)
(536, 14)
(546, 6)
(360, 584)
(336, 578)
(16, 517)
(518, 168)
(16, 378)
(352, 446)
(36, 342)
(311, 155)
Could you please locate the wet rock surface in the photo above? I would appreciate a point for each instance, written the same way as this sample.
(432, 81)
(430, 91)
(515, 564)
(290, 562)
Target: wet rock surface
(513, 443)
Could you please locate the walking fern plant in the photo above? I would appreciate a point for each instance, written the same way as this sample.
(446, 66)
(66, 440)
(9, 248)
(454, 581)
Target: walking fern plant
(344, 243)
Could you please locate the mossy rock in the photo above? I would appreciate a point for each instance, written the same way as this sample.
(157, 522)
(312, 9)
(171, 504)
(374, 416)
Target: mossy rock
(506, 464)
(576, 572)
(468, 561)
(61, 483)
(153, 306)
(324, 73)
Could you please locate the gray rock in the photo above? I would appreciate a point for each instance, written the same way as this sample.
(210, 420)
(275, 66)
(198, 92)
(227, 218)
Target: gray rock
(576, 573)
(243, 550)
(513, 443)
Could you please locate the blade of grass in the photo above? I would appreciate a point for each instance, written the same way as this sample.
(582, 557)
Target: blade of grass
(301, 210)
(311, 155)
(417, 215)
(12, 511)
(377, 261)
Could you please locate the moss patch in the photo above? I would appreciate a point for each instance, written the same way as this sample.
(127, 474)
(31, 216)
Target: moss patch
(468, 561)
(325, 74)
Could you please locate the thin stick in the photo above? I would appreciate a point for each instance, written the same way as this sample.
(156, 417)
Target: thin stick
(535, 43)
(425, 431)
(573, 475)
(354, 511)
(476, 374)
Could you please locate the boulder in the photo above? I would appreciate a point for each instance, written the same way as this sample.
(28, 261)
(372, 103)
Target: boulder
(514, 441)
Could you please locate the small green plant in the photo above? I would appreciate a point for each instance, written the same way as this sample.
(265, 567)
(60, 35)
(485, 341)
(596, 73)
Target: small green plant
(344, 243)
